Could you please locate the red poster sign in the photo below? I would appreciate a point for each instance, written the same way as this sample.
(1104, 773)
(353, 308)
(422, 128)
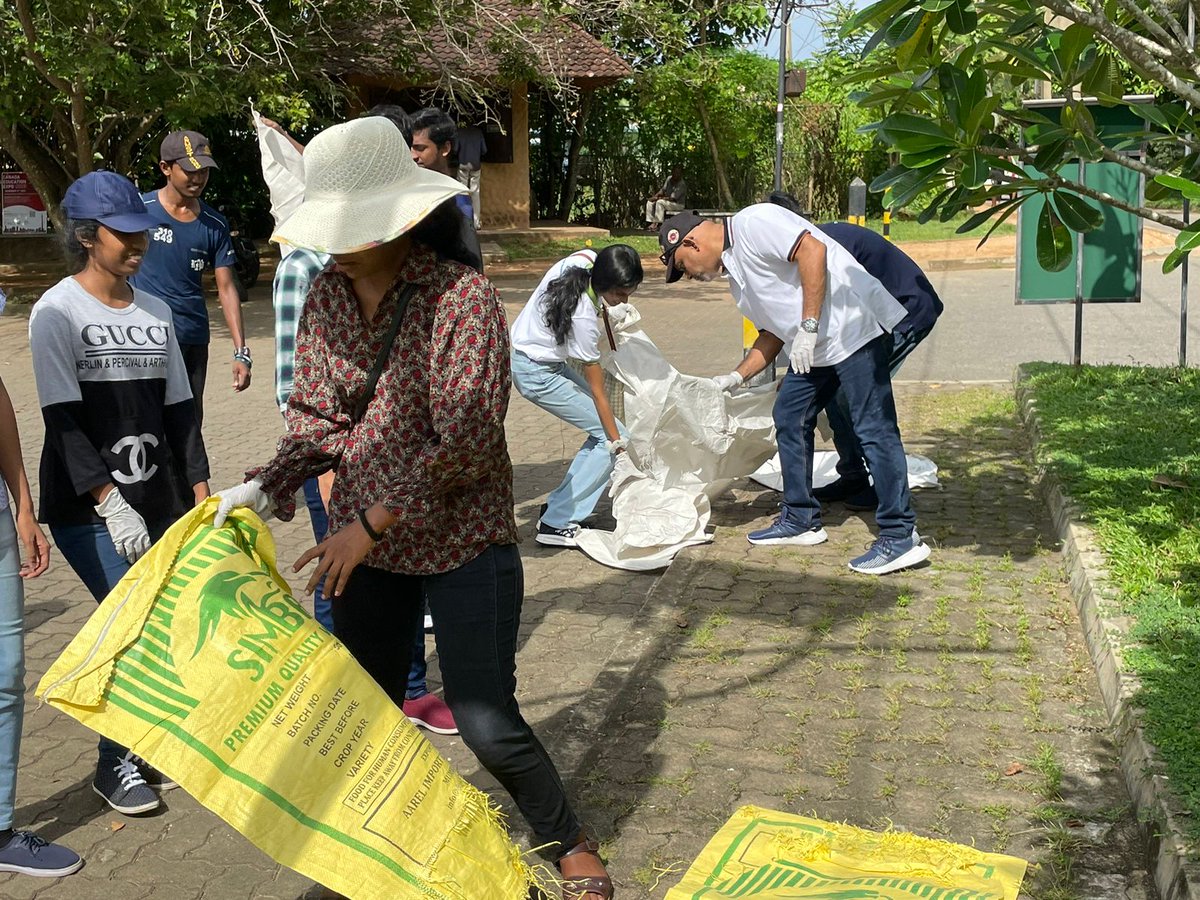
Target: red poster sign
(24, 212)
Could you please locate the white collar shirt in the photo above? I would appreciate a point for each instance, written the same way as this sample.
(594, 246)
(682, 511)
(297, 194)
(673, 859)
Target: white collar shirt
(765, 282)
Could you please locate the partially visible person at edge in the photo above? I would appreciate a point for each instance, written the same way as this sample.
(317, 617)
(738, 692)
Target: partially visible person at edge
(561, 321)
(808, 297)
(469, 149)
(120, 420)
(22, 852)
(188, 237)
(905, 281)
(428, 513)
(667, 200)
(294, 275)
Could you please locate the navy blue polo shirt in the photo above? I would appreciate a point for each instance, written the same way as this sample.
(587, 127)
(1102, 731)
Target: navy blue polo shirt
(893, 268)
(173, 269)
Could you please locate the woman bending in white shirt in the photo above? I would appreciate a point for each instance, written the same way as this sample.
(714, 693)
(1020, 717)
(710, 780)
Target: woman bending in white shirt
(564, 319)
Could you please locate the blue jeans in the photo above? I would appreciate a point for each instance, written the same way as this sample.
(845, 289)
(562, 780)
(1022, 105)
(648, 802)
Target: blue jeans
(320, 527)
(90, 552)
(323, 608)
(864, 377)
(12, 664)
(563, 392)
(477, 608)
(851, 463)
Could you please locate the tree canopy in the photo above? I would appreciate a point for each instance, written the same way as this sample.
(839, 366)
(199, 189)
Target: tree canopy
(947, 80)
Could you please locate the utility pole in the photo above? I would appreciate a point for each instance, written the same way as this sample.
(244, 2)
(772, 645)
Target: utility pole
(785, 49)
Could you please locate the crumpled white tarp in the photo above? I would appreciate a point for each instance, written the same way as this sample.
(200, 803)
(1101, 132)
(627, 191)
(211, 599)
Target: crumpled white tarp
(689, 439)
(922, 471)
(283, 170)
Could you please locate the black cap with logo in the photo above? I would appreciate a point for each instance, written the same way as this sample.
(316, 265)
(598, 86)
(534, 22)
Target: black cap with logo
(673, 231)
(188, 148)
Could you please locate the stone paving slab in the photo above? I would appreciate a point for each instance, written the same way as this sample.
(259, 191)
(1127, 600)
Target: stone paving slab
(742, 676)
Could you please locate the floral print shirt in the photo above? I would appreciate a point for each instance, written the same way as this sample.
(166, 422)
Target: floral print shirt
(431, 445)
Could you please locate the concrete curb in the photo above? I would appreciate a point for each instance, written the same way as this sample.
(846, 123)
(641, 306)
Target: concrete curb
(1176, 869)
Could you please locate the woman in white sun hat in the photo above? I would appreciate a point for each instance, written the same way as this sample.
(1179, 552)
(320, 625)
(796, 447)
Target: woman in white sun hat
(422, 502)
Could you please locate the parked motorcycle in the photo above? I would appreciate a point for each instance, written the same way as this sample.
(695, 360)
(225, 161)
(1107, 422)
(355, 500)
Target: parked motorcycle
(247, 262)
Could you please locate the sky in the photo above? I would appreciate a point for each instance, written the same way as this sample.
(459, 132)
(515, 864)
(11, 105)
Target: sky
(806, 33)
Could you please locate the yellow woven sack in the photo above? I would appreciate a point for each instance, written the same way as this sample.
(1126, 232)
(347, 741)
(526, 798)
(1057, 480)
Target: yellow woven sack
(768, 855)
(203, 664)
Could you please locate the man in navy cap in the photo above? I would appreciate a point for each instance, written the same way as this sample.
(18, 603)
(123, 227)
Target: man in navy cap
(188, 238)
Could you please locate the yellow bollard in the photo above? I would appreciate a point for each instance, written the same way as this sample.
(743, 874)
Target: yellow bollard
(887, 224)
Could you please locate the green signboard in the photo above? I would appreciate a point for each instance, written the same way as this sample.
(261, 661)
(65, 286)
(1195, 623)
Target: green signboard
(1112, 254)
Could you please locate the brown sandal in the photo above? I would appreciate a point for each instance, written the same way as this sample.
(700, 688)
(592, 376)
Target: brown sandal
(578, 887)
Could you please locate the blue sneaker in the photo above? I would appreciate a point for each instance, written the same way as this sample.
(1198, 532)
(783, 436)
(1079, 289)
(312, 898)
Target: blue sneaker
(783, 531)
(27, 854)
(891, 555)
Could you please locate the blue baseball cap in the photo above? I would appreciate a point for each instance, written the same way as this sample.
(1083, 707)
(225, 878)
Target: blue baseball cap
(110, 199)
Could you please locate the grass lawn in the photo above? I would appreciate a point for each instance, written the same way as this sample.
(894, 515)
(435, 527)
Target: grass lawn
(647, 244)
(1107, 431)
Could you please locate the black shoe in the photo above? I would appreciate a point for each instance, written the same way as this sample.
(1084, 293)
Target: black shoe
(123, 788)
(864, 500)
(842, 489)
(549, 536)
(154, 778)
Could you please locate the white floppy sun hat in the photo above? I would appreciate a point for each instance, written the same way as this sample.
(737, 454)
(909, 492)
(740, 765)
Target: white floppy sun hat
(361, 189)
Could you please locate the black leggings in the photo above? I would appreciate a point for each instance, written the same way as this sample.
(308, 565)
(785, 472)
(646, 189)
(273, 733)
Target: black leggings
(476, 611)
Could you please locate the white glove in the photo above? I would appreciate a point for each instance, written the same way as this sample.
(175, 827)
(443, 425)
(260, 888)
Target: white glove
(248, 494)
(727, 382)
(802, 352)
(125, 526)
(614, 446)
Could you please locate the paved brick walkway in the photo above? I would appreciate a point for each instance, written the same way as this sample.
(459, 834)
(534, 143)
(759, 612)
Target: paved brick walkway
(742, 676)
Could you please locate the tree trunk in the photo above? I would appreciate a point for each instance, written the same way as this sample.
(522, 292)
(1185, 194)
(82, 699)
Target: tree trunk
(572, 179)
(723, 188)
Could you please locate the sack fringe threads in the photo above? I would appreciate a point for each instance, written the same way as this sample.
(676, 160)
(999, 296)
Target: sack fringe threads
(476, 805)
(891, 852)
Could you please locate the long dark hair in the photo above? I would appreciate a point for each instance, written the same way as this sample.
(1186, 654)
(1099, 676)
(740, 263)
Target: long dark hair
(441, 232)
(73, 235)
(616, 266)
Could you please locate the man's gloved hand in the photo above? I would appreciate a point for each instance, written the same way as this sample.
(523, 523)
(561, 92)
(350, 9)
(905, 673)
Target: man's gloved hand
(248, 494)
(803, 348)
(125, 526)
(727, 382)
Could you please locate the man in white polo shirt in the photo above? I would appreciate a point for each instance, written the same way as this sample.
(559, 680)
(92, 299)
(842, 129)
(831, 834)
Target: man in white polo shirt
(809, 297)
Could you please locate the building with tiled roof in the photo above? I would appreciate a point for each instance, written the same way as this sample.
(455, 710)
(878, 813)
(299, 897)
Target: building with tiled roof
(499, 54)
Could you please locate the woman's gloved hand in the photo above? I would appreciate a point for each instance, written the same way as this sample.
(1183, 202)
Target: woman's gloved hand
(248, 495)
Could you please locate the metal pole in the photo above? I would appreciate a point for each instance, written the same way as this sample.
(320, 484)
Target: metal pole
(1077, 357)
(785, 12)
(1187, 210)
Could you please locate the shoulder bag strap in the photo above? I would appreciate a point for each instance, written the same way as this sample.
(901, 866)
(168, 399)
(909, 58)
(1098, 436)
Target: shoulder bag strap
(368, 391)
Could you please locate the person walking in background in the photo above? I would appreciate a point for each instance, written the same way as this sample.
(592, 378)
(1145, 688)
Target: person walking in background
(432, 135)
(670, 198)
(189, 236)
(808, 297)
(119, 416)
(471, 148)
(20, 851)
(428, 512)
(563, 320)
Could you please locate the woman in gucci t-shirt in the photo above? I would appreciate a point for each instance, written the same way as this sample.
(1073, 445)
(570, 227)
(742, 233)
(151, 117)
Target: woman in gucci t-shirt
(120, 421)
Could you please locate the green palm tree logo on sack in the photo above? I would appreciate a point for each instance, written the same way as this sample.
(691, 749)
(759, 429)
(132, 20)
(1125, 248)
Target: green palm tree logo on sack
(268, 614)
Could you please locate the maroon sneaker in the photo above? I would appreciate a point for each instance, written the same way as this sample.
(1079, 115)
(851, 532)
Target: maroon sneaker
(431, 713)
